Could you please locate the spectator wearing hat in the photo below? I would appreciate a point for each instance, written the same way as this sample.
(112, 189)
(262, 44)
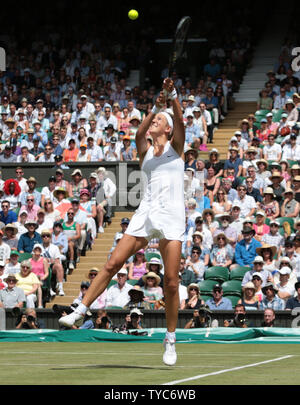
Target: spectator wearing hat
(269, 205)
(28, 239)
(245, 250)
(31, 189)
(294, 302)
(112, 151)
(278, 189)
(117, 294)
(155, 266)
(260, 227)
(228, 230)
(249, 299)
(273, 238)
(137, 300)
(151, 289)
(10, 236)
(285, 289)
(12, 296)
(257, 280)
(271, 299)
(250, 160)
(196, 263)
(222, 253)
(218, 302)
(77, 183)
(268, 253)
(13, 265)
(290, 207)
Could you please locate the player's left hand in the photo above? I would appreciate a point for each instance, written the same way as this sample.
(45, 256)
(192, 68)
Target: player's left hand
(168, 85)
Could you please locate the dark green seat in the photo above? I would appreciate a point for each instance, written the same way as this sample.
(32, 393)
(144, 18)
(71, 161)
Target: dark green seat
(234, 299)
(205, 297)
(282, 220)
(111, 283)
(237, 273)
(232, 287)
(24, 256)
(132, 282)
(206, 287)
(150, 255)
(217, 273)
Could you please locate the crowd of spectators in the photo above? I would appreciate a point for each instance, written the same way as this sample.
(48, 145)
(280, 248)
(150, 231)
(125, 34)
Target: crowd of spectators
(65, 102)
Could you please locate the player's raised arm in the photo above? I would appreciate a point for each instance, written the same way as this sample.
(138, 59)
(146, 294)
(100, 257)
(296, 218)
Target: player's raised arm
(178, 138)
(141, 135)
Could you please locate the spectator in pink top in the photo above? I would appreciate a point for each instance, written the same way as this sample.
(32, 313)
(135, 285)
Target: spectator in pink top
(138, 266)
(31, 208)
(40, 267)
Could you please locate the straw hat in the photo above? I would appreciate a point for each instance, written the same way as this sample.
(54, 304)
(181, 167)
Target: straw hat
(218, 235)
(276, 174)
(154, 260)
(11, 226)
(193, 285)
(249, 285)
(151, 274)
(259, 250)
(269, 190)
(60, 190)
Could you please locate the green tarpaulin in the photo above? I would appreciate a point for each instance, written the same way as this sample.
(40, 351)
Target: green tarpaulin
(208, 335)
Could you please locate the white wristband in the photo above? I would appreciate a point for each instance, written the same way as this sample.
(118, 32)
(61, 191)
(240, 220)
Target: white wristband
(155, 109)
(173, 94)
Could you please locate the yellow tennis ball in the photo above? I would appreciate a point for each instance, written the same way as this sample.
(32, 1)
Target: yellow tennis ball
(133, 14)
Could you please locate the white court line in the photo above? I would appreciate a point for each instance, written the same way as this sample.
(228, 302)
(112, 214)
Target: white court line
(225, 371)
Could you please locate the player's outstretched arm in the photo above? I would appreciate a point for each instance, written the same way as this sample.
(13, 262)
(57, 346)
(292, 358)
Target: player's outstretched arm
(141, 135)
(178, 138)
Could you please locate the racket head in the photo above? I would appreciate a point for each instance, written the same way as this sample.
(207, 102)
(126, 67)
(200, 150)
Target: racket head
(179, 41)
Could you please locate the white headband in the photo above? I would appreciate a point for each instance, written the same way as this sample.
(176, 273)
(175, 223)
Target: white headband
(169, 119)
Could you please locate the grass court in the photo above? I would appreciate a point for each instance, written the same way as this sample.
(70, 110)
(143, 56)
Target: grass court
(141, 364)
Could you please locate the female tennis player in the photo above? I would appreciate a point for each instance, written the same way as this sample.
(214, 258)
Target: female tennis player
(161, 213)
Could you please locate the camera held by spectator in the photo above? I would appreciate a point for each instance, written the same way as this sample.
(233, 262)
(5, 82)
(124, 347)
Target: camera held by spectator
(239, 320)
(201, 318)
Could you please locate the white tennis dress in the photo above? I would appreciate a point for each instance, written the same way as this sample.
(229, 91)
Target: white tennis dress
(161, 213)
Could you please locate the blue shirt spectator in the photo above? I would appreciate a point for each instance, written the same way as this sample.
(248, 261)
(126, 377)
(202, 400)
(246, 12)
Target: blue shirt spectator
(29, 239)
(245, 250)
(218, 302)
(6, 215)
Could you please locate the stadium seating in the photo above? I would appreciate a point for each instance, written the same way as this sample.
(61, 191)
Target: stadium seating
(238, 272)
(206, 287)
(217, 273)
(232, 287)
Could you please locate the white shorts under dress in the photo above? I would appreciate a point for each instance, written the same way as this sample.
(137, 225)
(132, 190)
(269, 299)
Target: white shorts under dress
(161, 213)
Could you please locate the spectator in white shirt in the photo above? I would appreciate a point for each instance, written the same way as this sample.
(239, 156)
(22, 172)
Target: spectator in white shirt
(94, 150)
(272, 151)
(246, 203)
(117, 295)
(280, 100)
(291, 151)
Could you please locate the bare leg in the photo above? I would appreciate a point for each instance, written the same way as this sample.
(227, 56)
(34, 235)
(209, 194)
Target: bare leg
(171, 252)
(127, 247)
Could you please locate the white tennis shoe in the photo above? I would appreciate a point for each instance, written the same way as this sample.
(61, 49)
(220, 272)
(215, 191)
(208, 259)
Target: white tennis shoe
(71, 319)
(170, 356)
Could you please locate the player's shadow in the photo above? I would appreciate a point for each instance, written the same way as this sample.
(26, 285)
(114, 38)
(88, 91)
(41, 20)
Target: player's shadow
(95, 366)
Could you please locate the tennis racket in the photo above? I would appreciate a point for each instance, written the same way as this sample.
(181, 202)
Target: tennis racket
(179, 42)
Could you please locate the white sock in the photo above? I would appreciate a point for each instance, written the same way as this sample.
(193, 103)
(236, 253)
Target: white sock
(171, 336)
(81, 309)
